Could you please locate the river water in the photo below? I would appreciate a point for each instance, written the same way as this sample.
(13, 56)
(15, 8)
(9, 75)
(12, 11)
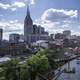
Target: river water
(71, 76)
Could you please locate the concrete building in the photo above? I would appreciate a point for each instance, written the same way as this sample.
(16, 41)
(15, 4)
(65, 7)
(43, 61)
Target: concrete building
(67, 34)
(21, 38)
(1, 34)
(59, 36)
(35, 29)
(51, 36)
(14, 38)
(40, 30)
(41, 43)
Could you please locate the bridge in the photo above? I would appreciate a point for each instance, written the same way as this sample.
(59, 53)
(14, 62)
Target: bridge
(55, 74)
(67, 59)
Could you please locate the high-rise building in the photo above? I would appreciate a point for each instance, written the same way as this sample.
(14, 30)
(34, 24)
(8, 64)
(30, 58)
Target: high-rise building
(51, 36)
(40, 30)
(21, 38)
(28, 27)
(14, 38)
(1, 34)
(59, 36)
(35, 29)
(33, 33)
(67, 34)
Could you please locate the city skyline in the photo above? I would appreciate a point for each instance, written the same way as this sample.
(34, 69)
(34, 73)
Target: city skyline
(54, 16)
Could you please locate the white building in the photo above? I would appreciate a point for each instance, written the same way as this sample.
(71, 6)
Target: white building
(41, 43)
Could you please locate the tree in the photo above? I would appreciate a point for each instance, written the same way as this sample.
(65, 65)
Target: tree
(24, 72)
(38, 64)
(10, 69)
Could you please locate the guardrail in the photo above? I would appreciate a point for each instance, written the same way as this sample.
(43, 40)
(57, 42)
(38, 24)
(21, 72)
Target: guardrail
(58, 74)
(66, 59)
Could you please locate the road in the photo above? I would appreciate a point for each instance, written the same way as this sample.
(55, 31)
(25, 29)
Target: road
(4, 59)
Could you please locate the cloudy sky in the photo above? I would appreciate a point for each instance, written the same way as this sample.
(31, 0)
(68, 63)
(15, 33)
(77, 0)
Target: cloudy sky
(54, 15)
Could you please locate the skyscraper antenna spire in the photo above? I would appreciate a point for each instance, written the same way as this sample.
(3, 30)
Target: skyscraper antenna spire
(28, 11)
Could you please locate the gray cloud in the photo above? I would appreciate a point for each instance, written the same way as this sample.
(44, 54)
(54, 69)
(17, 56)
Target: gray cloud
(58, 20)
(11, 27)
(12, 6)
(58, 15)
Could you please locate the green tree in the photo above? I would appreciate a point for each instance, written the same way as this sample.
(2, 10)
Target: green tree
(38, 64)
(24, 72)
(10, 69)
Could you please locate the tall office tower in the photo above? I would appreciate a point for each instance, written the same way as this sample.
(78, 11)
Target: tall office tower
(35, 29)
(28, 27)
(1, 34)
(40, 30)
(14, 38)
(67, 34)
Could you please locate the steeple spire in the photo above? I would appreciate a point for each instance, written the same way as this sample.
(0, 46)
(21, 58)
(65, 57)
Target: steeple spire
(28, 19)
(28, 26)
(28, 11)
